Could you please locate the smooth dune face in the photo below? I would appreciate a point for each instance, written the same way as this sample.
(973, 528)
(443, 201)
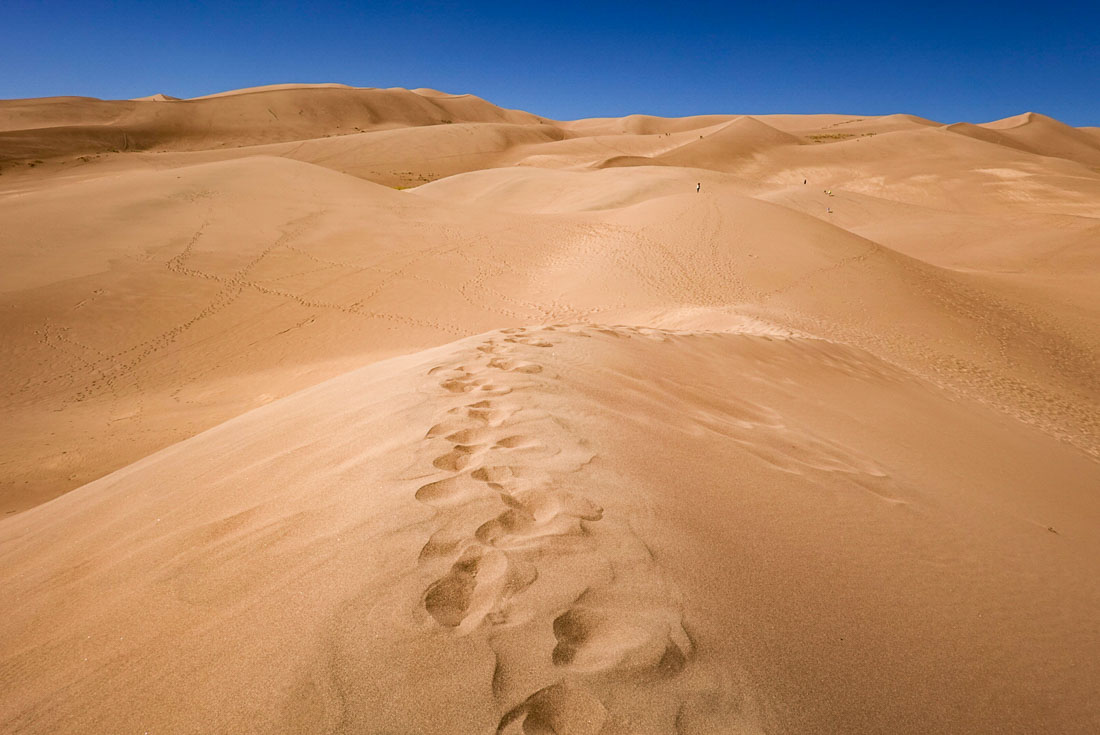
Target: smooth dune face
(351, 410)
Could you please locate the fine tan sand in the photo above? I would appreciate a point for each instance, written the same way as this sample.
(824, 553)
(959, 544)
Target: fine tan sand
(342, 410)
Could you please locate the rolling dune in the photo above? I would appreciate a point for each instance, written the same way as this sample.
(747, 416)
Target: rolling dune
(349, 410)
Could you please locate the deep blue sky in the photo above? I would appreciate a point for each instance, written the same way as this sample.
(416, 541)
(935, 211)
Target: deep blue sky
(564, 59)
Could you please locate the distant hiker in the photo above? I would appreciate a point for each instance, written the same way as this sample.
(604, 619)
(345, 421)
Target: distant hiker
(803, 182)
(698, 187)
(829, 210)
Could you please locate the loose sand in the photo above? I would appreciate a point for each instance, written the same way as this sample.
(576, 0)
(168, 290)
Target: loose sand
(338, 410)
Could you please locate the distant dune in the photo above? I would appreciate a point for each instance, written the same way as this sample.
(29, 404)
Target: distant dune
(239, 118)
(333, 409)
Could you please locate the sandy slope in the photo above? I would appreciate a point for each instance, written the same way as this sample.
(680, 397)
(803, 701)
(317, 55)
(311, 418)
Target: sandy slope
(837, 475)
(583, 529)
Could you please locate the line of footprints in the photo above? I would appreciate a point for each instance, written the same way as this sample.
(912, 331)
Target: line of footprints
(517, 543)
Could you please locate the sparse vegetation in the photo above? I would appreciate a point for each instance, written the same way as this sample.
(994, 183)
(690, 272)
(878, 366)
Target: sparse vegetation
(822, 137)
(412, 178)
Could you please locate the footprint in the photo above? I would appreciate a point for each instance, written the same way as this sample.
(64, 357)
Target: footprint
(518, 528)
(448, 598)
(481, 413)
(559, 709)
(514, 523)
(473, 588)
(518, 441)
(457, 385)
(494, 475)
(458, 459)
(529, 341)
(470, 436)
(451, 491)
(515, 366)
(448, 426)
(441, 543)
(624, 640)
(476, 587)
(545, 505)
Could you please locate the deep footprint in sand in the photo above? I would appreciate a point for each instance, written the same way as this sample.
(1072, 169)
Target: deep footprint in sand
(451, 491)
(545, 504)
(479, 414)
(518, 441)
(518, 528)
(459, 458)
(476, 587)
(628, 641)
(448, 598)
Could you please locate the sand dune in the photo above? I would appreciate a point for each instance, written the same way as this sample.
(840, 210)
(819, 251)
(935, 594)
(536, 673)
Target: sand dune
(1048, 137)
(586, 529)
(739, 136)
(245, 117)
(334, 409)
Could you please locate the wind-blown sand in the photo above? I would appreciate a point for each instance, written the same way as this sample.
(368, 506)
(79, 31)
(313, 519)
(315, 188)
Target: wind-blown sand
(385, 411)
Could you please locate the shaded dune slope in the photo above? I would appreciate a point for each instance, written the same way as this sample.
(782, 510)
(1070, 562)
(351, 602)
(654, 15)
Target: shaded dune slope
(1049, 137)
